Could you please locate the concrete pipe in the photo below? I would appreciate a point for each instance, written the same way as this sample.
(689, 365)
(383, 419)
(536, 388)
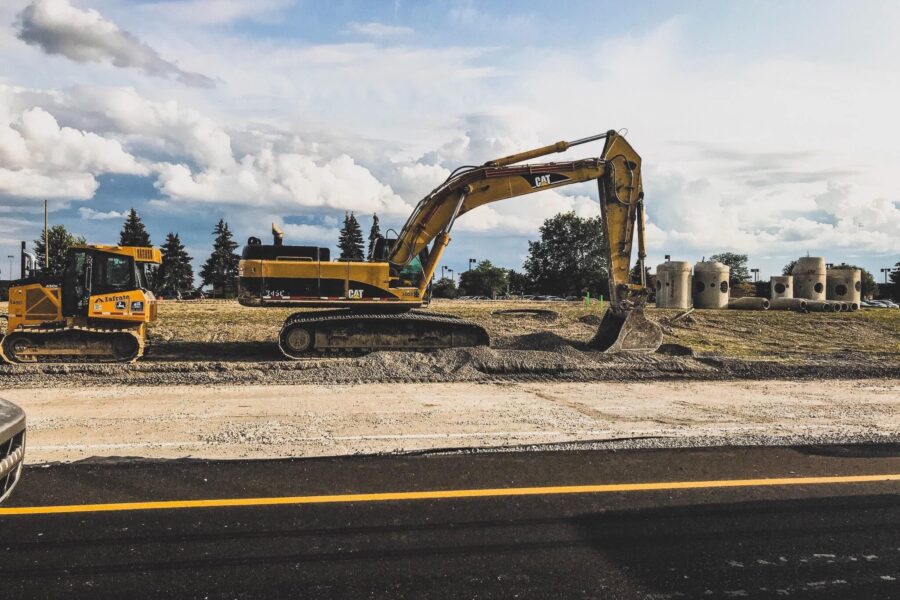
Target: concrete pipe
(749, 303)
(844, 285)
(819, 306)
(673, 284)
(710, 287)
(782, 287)
(809, 278)
(854, 306)
(797, 304)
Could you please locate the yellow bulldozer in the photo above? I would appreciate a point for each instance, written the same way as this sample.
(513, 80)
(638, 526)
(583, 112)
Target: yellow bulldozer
(96, 312)
(375, 303)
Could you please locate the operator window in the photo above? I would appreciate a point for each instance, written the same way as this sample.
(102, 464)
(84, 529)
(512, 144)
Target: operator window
(113, 274)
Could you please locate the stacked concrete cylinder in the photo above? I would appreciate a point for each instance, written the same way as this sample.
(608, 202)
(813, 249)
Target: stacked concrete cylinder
(782, 287)
(673, 284)
(710, 289)
(809, 278)
(844, 285)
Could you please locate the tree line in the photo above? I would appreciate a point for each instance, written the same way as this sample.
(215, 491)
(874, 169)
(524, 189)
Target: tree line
(175, 275)
(568, 259)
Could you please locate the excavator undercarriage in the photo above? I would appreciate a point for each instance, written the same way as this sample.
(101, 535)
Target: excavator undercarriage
(306, 333)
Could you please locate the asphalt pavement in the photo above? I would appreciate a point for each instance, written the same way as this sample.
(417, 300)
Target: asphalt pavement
(806, 522)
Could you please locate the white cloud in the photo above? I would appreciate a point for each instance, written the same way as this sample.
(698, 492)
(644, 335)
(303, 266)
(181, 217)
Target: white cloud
(216, 12)
(95, 215)
(378, 30)
(57, 27)
(40, 159)
(286, 181)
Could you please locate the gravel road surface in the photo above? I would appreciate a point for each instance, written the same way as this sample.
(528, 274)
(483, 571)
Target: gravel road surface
(68, 424)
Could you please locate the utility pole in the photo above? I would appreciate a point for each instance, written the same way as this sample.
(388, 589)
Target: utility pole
(10, 257)
(46, 241)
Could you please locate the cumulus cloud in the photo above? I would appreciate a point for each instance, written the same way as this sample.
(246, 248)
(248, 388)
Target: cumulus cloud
(95, 215)
(40, 159)
(377, 30)
(286, 181)
(57, 27)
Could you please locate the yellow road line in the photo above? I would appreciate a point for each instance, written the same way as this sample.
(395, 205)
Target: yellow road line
(448, 494)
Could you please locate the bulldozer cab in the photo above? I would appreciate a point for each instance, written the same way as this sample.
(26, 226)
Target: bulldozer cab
(90, 271)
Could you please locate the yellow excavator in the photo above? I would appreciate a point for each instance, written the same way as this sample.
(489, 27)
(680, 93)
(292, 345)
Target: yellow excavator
(375, 302)
(96, 312)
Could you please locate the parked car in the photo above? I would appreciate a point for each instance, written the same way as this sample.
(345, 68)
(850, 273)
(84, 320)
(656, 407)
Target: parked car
(12, 446)
(194, 295)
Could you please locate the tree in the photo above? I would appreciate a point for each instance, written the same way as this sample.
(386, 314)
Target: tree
(60, 240)
(221, 268)
(374, 234)
(133, 231)
(789, 268)
(635, 274)
(570, 258)
(894, 275)
(483, 280)
(444, 288)
(518, 282)
(175, 273)
(869, 284)
(350, 240)
(738, 265)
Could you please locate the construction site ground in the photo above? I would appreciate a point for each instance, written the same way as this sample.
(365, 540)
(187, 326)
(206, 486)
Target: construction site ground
(214, 385)
(221, 342)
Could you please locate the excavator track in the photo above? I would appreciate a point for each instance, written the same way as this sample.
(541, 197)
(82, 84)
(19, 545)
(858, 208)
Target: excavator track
(78, 344)
(305, 334)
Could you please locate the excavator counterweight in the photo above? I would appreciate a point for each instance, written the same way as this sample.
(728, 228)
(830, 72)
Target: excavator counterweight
(375, 298)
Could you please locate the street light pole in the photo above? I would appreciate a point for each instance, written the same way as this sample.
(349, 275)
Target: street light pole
(886, 271)
(755, 275)
(10, 257)
(472, 261)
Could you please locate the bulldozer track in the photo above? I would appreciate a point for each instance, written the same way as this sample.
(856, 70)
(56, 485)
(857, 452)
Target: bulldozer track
(67, 338)
(305, 334)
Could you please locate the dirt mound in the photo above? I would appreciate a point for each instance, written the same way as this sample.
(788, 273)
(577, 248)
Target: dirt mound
(541, 340)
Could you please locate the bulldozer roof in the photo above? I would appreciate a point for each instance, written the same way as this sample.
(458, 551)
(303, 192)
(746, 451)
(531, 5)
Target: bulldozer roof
(139, 253)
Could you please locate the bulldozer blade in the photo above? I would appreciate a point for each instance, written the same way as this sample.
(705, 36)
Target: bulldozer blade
(627, 331)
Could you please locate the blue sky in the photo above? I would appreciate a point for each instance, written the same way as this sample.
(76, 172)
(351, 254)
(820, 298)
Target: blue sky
(767, 128)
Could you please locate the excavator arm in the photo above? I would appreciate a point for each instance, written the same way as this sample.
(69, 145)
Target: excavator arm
(618, 175)
(617, 172)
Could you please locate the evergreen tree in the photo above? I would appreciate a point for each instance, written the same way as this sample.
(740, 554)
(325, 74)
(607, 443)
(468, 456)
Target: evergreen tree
(350, 242)
(175, 272)
(374, 234)
(221, 268)
(133, 231)
(60, 240)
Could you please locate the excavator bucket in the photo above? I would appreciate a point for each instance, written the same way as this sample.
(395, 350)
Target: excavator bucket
(627, 331)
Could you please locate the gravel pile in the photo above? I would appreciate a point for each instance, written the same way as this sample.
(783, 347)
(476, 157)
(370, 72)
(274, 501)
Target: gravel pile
(541, 356)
